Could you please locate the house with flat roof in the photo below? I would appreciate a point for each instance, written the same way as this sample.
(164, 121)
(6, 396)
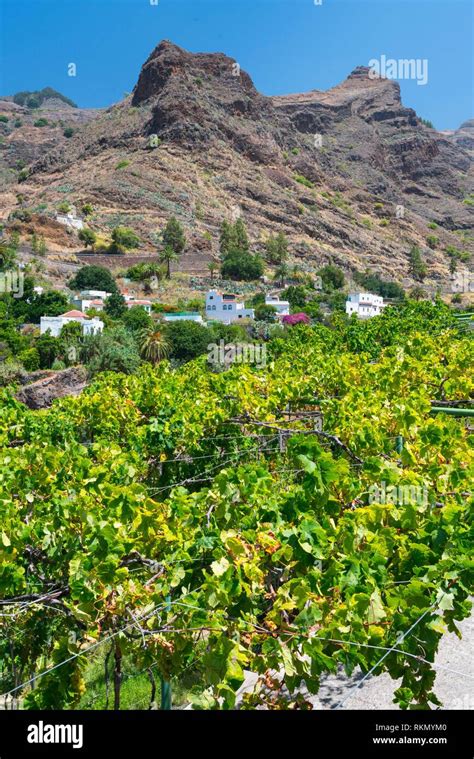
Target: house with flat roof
(225, 308)
(364, 305)
(181, 316)
(282, 307)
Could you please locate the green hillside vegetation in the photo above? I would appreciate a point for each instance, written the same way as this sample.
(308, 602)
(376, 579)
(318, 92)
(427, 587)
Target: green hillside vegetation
(36, 98)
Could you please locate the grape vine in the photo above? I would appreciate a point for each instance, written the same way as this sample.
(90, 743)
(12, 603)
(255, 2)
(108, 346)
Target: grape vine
(158, 513)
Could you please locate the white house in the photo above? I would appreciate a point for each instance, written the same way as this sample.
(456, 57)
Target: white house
(70, 219)
(226, 308)
(102, 294)
(182, 316)
(85, 304)
(130, 302)
(88, 299)
(54, 324)
(282, 307)
(364, 305)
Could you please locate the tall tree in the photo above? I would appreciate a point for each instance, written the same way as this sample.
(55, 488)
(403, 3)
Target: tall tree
(418, 267)
(87, 236)
(166, 256)
(213, 267)
(173, 235)
(226, 238)
(93, 278)
(277, 249)
(153, 345)
(115, 306)
(241, 240)
(281, 274)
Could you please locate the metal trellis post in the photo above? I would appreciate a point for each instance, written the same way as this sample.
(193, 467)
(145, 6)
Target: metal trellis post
(165, 684)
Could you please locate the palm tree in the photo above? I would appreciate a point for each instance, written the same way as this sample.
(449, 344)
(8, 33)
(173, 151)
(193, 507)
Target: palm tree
(7, 255)
(166, 256)
(281, 274)
(213, 267)
(153, 345)
(295, 272)
(417, 293)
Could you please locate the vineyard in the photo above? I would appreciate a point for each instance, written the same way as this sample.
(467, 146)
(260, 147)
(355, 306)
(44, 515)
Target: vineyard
(180, 521)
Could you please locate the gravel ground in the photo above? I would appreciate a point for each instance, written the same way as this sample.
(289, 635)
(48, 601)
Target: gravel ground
(454, 684)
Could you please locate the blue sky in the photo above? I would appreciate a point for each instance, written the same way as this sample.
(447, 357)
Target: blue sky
(285, 45)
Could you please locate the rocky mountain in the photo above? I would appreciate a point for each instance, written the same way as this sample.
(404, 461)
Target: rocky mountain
(464, 136)
(351, 175)
(27, 133)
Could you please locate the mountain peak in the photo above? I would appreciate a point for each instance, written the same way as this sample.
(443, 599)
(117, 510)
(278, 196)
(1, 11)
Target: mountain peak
(168, 61)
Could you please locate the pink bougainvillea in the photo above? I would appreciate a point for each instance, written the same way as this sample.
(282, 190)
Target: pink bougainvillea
(293, 319)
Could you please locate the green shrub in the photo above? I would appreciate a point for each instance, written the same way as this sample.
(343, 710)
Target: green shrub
(10, 372)
(4, 119)
(143, 272)
(50, 303)
(427, 123)
(332, 277)
(30, 359)
(304, 180)
(265, 313)
(297, 296)
(22, 214)
(87, 236)
(35, 99)
(41, 122)
(122, 165)
(93, 278)
(239, 265)
(187, 339)
(123, 239)
(112, 351)
(375, 284)
(137, 319)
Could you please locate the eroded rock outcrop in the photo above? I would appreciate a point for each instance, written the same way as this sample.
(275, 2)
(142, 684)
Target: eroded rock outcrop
(43, 391)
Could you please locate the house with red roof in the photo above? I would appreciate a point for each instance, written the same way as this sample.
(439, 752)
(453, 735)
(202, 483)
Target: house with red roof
(54, 324)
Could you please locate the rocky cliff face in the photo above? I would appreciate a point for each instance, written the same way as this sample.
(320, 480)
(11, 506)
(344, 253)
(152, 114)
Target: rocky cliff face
(350, 175)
